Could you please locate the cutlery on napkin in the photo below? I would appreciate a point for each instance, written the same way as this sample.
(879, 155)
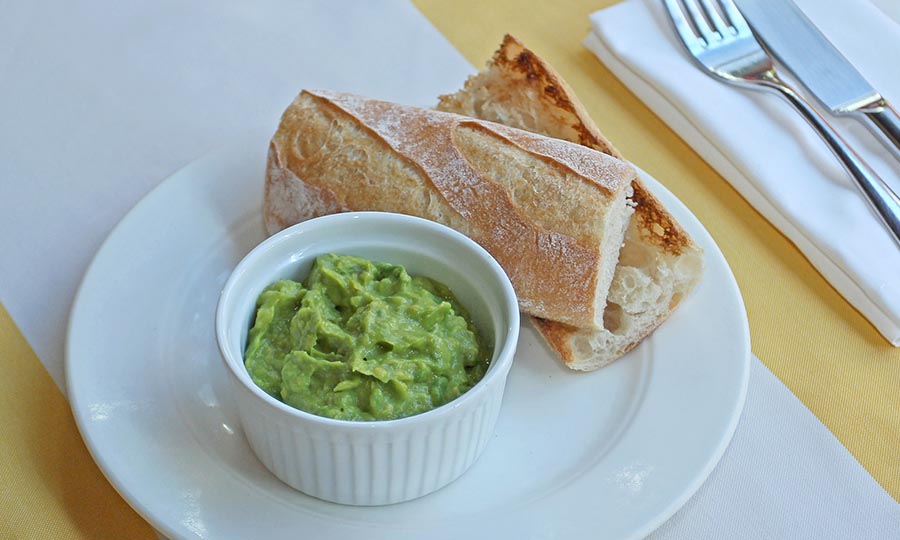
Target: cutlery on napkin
(766, 151)
(825, 73)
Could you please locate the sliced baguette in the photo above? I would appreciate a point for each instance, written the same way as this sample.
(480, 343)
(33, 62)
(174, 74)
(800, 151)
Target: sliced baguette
(659, 263)
(551, 212)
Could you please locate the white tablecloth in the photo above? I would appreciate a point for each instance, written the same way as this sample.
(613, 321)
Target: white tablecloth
(101, 101)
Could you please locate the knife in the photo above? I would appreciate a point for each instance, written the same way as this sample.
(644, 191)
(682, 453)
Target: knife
(830, 77)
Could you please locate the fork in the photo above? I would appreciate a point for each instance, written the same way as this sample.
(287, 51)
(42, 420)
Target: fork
(728, 50)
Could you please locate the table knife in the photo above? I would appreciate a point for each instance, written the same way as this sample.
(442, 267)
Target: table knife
(822, 69)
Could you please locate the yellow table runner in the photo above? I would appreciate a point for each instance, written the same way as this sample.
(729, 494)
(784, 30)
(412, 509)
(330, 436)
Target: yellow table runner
(51, 487)
(814, 341)
(822, 349)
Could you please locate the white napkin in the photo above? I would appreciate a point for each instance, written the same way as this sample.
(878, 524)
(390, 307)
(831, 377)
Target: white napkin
(766, 150)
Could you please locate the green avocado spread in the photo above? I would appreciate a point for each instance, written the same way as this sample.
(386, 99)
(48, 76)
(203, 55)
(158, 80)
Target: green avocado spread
(363, 340)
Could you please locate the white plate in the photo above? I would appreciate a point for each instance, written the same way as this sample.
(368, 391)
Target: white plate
(609, 454)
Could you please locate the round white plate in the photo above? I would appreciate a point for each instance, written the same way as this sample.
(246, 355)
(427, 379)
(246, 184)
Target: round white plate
(608, 454)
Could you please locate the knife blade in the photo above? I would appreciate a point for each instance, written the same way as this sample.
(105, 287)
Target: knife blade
(820, 67)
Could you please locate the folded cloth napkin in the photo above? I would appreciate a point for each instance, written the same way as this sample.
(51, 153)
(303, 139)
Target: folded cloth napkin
(766, 150)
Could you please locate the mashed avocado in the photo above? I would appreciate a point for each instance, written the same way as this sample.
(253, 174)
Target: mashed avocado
(363, 340)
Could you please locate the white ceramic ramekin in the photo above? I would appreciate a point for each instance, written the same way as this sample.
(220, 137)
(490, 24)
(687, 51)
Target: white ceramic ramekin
(382, 462)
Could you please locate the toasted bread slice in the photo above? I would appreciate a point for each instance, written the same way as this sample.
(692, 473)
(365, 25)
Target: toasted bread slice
(659, 263)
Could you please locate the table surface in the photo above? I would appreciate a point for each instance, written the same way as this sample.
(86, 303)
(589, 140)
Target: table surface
(808, 336)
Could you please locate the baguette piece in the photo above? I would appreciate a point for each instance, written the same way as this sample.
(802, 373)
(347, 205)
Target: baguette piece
(659, 263)
(552, 213)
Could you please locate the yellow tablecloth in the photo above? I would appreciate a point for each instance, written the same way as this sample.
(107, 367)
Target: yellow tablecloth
(818, 345)
(51, 487)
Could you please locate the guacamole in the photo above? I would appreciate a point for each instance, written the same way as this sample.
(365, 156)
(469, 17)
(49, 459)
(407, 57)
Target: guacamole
(363, 340)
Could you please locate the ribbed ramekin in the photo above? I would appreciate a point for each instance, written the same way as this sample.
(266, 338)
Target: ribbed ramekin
(381, 462)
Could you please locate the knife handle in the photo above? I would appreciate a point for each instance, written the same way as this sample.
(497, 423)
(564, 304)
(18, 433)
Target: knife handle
(881, 198)
(885, 118)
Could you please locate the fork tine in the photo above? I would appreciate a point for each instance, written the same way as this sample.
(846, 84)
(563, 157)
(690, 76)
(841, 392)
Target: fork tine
(713, 14)
(734, 16)
(682, 26)
(696, 13)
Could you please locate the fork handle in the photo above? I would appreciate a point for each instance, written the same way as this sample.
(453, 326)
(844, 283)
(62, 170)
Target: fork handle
(882, 116)
(879, 195)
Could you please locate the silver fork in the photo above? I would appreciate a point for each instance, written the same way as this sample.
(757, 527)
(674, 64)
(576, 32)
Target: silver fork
(728, 50)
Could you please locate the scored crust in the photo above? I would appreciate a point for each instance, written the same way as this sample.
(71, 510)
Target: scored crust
(335, 152)
(517, 80)
(520, 89)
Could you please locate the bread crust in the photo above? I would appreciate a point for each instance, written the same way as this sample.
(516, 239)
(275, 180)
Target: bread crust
(556, 273)
(288, 200)
(657, 226)
(519, 88)
(516, 69)
(560, 338)
(548, 91)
